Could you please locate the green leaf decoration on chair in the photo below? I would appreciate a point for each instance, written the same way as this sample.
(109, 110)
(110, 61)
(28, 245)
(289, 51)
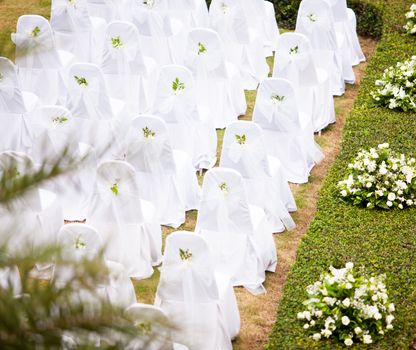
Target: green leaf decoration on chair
(149, 3)
(148, 133)
(312, 17)
(1, 77)
(241, 139)
(223, 187)
(79, 243)
(177, 86)
(201, 48)
(60, 120)
(114, 189)
(185, 255)
(73, 3)
(116, 42)
(294, 50)
(81, 81)
(144, 328)
(277, 98)
(224, 8)
(35, 32)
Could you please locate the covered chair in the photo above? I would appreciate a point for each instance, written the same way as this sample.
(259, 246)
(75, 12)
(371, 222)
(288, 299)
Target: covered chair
(162, 37)
(288, 134)
(158, 335)
(199, 303)
(55, 131)
(36, 216)
(108, 10)
(127, 224)
(167, 177)
(10, 280)
(271, 29)
(295, 63)
(83, 242)
(15, 131)
(190, 128)
(242, 44)
(262, 19)
(316, 22)
(75, 30)
(130, 76)
(346, 27)
(40, 63)
(239, 235)
(219, 85)
(192, 13)
(264, 177)
(12, 99)
(88, 99)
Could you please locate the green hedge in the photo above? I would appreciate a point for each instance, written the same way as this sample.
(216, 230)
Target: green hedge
(382, 241)
(369, 15)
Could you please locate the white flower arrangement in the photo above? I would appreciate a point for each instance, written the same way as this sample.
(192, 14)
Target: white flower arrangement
(380, 178)
(410, 26)
(348, 306)
(397, 88)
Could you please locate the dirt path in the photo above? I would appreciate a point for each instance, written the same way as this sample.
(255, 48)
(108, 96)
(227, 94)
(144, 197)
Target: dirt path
(258, 313)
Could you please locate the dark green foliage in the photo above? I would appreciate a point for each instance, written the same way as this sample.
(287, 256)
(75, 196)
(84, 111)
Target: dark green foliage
(382, 241)
(369, 18)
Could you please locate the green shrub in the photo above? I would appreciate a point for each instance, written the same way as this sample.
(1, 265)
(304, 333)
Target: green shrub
(369, 17)
(382, 241)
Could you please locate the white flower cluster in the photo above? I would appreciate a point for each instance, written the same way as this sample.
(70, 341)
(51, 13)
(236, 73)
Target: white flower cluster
(380, 178)
(397, 88)
(347, 306)
(410, 26)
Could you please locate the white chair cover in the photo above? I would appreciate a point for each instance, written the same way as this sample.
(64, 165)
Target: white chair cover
(294, 62)
(345, 25)
(15, 133)
(259, 18)
(243, 45)
(162, 37)
(316, 22)
(168, 177)
(38, 60)
(120, 289)
(265, 181)
(239, 235)
(89, 101)
(12, 98)
(81, 241)
(219, 85)
(287, 136)
(55, 131)
(74, 30)
(36, 216)
(353, 37)
(202, 307)
(155, 323)
(109, 10)
(10, 280)
(190, 128)
(192, 13)
(126, 223)
(129, 75)
(271, 29)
